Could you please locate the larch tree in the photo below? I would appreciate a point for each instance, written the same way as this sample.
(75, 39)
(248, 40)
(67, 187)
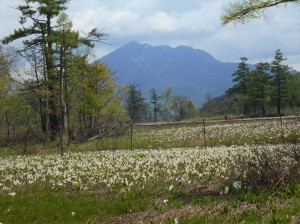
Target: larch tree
(242, 11)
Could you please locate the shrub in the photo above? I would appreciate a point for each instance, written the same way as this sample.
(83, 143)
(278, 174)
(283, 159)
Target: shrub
(266, 168)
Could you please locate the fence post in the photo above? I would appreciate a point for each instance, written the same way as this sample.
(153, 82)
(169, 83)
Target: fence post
(60, 138)
(281, 128)
(131, 135)
(204, 133)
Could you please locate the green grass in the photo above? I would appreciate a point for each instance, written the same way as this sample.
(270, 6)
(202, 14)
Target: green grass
(41, 204)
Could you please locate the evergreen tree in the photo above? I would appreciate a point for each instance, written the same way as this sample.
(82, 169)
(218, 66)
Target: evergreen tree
(259, 84)
(280, 77)
(293, 86)
(135, 103)
(154, 100)
(241, 78)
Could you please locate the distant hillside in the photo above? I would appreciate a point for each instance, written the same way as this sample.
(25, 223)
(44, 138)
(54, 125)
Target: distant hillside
(189, 72)
(220, 105)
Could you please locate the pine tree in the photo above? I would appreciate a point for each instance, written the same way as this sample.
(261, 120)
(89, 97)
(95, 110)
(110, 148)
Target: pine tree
(241, 78)
(280, 77)
(154, 100)
(135, 103)
(259, 84)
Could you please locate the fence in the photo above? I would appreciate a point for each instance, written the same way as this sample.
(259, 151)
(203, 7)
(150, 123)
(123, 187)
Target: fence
(202, 133)
(205, 133)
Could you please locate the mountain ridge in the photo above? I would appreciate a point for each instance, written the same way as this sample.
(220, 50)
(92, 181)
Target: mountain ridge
(189, 72)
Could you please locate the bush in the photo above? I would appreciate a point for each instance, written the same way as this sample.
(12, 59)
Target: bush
(266, 168)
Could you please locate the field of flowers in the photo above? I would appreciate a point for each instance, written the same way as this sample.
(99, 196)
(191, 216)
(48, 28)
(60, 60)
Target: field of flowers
(259, 131)
(126, 170)
(244, 128)
(176, 169)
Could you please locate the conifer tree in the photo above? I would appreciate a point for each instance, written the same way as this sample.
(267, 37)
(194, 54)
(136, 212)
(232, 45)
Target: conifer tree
(259, 85)
(241, 78)
(280, 77)
(135, 103)
(154, 100)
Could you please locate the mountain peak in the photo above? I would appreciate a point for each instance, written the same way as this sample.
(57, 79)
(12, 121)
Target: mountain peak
(189, 72)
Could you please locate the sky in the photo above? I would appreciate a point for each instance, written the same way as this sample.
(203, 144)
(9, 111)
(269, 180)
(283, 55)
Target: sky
(194, 23)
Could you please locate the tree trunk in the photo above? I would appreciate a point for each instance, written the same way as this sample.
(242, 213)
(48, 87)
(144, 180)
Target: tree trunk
(63, 107)
(9, 128)
(53, 120)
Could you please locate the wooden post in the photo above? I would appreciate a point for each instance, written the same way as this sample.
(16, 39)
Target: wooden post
(204, 133)
(60, 138)
(281, 128)
(131, 136)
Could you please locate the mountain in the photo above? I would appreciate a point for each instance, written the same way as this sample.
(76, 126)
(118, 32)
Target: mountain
(189, 72)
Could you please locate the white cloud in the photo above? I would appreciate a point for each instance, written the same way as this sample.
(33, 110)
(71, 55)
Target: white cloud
(182, 22)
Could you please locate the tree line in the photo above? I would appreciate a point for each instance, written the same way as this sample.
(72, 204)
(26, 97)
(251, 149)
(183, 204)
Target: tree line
(270, 88)
(163, 107)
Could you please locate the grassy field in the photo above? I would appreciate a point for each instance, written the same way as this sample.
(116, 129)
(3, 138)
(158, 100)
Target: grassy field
(248, 172)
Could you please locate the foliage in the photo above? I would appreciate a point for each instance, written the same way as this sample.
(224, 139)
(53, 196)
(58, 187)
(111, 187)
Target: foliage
(67, 95)
(249, 9)
(154, 100)
(135, 103)
(259, 88)
(293, 87)
(165, 109)
(183, 107)
(267, 90)
(241, 78)
(280, 78)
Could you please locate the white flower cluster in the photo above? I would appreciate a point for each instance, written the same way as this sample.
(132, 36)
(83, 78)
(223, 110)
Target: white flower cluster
(123, 169)
(254, 129)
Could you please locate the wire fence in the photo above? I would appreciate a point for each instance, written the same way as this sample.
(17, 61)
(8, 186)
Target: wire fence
(208, 132)
(202, 133)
